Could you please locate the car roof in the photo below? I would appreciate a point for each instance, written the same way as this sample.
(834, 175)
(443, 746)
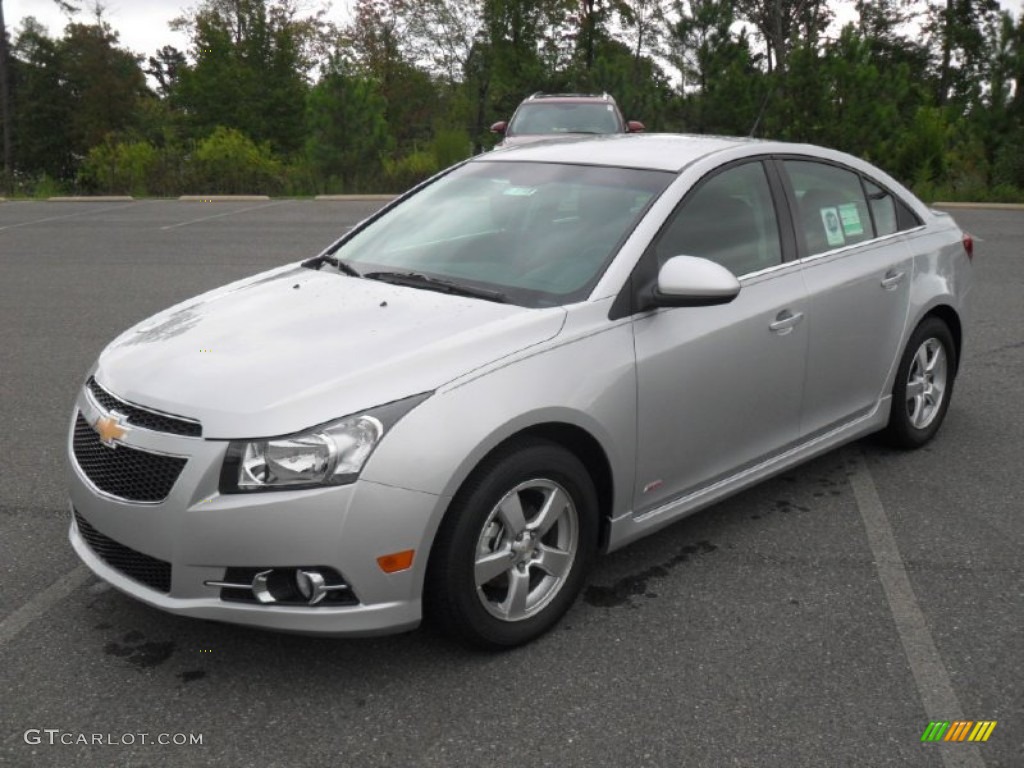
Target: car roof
(654, 151)
(594, 98)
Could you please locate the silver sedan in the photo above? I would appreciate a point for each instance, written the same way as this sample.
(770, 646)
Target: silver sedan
(542, 353)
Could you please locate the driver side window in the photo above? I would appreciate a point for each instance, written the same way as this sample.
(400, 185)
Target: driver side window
(729, 219)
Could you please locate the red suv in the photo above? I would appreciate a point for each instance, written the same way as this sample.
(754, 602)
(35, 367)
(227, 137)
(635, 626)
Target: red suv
(545, 116)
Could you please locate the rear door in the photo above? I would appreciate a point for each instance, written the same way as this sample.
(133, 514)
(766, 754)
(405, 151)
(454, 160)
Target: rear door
(858, 273)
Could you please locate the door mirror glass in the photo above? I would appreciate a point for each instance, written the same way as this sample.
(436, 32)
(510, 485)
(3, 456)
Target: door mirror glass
(690, 281)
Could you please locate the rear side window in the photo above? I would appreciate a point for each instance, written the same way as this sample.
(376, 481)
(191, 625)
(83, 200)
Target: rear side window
(729, 219)
(832, 211)
(883, 208)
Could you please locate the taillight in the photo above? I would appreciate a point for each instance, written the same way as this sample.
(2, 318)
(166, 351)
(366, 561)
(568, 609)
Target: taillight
(968, 242)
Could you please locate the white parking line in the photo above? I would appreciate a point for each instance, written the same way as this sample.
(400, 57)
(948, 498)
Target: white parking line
(930, 675)
(66, 216)
(43, 601)
(222, 215)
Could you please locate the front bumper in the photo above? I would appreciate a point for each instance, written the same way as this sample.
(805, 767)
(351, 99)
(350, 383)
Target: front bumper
(201, 533)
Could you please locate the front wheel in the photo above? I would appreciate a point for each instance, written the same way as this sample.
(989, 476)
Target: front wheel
(513, 551)
(924, 385)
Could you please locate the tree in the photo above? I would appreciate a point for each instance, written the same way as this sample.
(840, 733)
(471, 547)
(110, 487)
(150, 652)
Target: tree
(958, 27)
(41, 110)
(249, 72)
(348, 132)
(445, 32)
(784, 23)
(642, 20)
(166, 68)
(5, 101)
(103, 82)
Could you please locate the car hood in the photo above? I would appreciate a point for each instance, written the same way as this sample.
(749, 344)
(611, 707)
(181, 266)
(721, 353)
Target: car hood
(296, 347)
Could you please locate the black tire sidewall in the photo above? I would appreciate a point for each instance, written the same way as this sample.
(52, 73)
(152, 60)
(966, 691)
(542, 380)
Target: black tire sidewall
(451, 597)
(901, 432)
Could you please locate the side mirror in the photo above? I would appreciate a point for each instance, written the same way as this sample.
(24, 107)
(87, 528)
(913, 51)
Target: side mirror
(689, 281)
(633, 126)
(499, 127)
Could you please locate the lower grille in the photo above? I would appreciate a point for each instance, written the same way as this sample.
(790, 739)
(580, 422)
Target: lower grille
(155, 574)
(124, 472)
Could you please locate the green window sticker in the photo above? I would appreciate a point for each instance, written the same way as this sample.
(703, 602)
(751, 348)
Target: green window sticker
(833, 226)
(519, 191)
(850, 217)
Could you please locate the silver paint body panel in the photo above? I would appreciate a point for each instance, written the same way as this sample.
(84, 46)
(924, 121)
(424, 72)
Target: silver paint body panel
(688, 404)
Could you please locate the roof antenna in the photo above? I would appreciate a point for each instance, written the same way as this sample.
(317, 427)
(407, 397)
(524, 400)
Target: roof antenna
(764, 105)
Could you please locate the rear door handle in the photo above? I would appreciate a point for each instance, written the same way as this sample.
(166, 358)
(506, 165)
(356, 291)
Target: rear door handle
(785, 322)
(892, 279)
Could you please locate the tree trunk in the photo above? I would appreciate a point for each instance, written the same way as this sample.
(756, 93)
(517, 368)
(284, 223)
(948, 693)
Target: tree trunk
(947, 52)
(5, 102)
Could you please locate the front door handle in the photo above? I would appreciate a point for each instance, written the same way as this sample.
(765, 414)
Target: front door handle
(892, 279)
(785, 322)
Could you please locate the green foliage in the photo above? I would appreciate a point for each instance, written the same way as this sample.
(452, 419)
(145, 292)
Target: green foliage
(450, 146)
(407, 171)
(931, 92)
(119, 167)
(248, 72)
(229, 162)
(347, 132)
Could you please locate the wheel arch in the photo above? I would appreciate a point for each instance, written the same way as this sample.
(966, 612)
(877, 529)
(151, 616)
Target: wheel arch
(583, 445)
(951, 318)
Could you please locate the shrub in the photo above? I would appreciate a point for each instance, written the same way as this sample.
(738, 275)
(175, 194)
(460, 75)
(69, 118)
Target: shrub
(123, 168)
(229, 162)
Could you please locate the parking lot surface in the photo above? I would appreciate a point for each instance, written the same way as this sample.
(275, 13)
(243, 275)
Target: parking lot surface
(822, 618)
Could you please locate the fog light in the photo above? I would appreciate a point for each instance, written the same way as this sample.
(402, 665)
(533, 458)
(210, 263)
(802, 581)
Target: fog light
(311, 585)
(302, 585)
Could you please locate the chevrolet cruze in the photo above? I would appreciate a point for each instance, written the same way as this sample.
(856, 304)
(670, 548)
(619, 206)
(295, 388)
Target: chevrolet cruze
(542, 353)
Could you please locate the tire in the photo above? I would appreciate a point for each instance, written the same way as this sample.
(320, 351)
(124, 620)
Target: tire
(503, 569)
(924, 386)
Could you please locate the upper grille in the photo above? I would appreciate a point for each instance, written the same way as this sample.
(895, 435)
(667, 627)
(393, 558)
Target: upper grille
(142, 417)
(124, 472)
(135, 565)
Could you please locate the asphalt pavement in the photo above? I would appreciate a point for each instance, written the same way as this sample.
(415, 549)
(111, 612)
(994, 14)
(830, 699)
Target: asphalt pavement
(822, 618)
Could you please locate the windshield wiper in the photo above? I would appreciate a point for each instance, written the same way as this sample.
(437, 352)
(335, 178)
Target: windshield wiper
(326, 258)
(418, 280)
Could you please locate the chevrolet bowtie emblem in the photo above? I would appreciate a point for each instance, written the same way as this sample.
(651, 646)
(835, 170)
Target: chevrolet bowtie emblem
(109, 429)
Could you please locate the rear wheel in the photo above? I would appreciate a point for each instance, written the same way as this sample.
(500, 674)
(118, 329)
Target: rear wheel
(513, 551)
(924, 385)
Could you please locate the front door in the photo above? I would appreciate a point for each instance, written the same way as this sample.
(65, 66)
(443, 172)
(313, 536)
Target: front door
(719, 388)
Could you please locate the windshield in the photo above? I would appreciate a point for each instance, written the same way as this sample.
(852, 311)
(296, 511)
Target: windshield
(565, 117)
(540, 234)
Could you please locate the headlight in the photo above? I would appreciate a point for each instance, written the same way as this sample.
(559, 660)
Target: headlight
(330, 454)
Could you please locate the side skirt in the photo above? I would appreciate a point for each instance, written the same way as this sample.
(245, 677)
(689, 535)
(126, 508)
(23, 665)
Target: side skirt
(629, 527)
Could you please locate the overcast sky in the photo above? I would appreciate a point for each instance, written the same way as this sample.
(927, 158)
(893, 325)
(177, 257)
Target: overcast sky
(142, 24)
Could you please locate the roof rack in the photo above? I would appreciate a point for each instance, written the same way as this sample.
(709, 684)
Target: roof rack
(542, 95)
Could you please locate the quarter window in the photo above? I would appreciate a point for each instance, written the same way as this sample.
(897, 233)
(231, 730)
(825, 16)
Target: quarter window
(729, 219)
(831, 209)
(883, 209)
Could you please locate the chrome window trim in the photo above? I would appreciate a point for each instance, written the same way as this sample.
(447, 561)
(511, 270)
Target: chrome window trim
(794, 263)
(873, 241)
